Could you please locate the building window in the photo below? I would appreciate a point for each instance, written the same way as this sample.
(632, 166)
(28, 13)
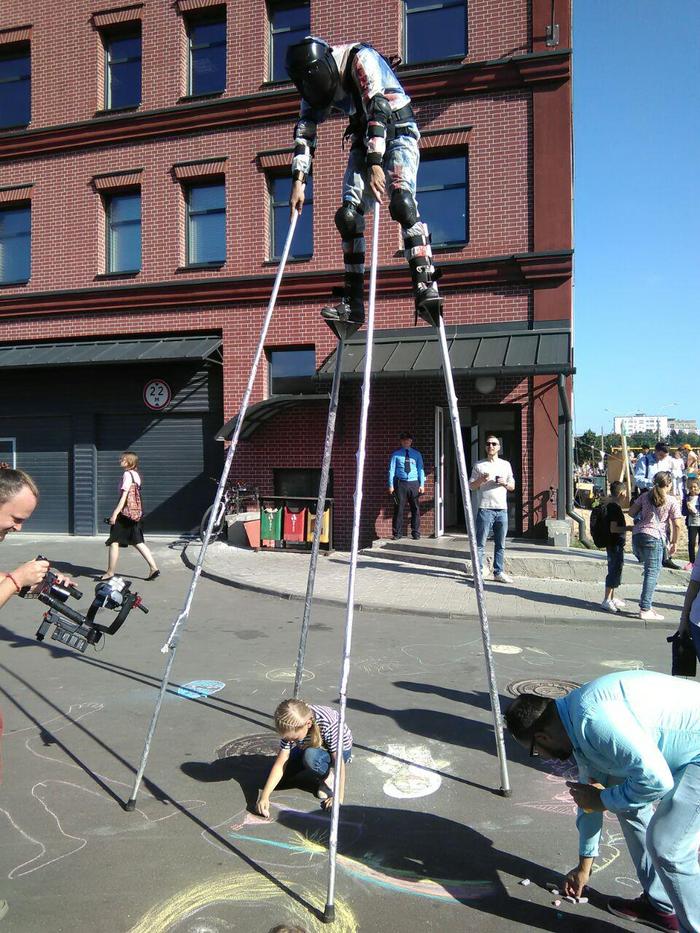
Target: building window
(206, 223)
(303, 242)
(123, 68)
(8, 452)
(123, 215)
(206, 33)
(15, 85)
(291, 370)
(443, 196)
(15, 244)
(289, 23)
(434, 30)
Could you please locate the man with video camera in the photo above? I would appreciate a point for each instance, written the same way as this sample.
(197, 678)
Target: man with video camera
(18, 499)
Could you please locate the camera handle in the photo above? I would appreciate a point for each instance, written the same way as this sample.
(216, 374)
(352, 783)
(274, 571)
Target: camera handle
(68, 587)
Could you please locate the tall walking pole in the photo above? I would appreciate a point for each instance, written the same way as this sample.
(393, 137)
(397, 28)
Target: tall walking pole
(476, 565)
(329, 913)
(174, 637)
(342, 331)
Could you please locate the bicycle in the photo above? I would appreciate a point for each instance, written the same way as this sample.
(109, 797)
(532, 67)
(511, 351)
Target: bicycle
(235, 499)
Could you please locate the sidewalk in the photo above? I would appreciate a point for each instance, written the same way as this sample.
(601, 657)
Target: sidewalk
(392, 586)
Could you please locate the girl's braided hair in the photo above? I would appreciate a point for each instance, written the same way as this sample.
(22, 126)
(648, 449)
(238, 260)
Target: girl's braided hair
(294, 714)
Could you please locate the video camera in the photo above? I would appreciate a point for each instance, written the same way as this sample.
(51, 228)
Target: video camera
(71, 627)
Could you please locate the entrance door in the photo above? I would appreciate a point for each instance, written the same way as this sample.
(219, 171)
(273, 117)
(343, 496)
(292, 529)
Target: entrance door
(504, 423)
(439, 472)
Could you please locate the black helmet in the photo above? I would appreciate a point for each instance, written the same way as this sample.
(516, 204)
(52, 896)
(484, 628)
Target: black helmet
(312, 68)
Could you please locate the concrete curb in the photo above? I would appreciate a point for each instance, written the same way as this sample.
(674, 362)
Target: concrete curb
(618, 620)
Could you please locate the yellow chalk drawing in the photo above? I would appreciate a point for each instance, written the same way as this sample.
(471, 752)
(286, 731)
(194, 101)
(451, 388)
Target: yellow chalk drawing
(243, 889)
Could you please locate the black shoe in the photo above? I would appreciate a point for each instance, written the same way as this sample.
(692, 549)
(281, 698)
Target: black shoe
(346, 311)
(429, 304)
(154, 575)
(671, 564)
(416, 537)
(396, 537)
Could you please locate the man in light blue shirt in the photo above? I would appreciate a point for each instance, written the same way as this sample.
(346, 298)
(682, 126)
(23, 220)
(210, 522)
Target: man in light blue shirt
(635, 737)
(406, 483)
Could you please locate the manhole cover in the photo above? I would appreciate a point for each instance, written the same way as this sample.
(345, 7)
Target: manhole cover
(263, 743)
(552, 689)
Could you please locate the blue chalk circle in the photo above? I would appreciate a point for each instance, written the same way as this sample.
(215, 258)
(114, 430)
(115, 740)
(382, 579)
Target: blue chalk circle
(196, 689)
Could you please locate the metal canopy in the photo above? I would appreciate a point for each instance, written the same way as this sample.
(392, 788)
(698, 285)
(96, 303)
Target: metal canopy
(108, 351)
(501, 352)
(263, 411)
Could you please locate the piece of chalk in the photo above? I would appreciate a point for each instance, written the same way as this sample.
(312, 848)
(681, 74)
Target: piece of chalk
(557, 903)
(525, 881)
(582, 900)
(571, 900)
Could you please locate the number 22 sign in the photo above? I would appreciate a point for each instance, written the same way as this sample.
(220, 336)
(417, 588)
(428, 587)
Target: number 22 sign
(157, 394)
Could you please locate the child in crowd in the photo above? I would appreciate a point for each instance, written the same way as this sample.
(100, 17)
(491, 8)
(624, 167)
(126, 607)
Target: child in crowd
(309, 736)
(615, 547)
(691, 510)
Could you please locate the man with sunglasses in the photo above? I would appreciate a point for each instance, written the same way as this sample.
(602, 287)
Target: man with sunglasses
(492, 479)
(635, 736)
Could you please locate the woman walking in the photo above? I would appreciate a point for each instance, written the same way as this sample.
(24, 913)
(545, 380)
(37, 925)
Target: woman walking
(659, 512)
(126, 518)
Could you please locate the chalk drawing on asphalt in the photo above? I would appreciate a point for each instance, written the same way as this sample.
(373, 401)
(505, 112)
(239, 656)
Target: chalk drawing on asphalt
(413, 777)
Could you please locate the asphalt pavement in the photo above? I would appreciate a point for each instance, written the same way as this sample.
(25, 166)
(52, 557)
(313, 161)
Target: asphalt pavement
(426, 841)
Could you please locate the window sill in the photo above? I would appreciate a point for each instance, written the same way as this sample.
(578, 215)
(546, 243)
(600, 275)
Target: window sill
(275, 85)
(201, 266)
(14, 283)
(447, 248)
(15, 127)
(296, 259)
(116, 111)
(117, 275)
(434, 63)
(193, 98)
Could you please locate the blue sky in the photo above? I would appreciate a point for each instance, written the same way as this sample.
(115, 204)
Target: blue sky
(637, 209)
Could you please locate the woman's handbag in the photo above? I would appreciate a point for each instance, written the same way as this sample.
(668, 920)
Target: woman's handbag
(683, 657)
(133, 507)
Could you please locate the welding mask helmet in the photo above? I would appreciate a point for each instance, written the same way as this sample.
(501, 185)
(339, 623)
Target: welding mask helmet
(312, 68)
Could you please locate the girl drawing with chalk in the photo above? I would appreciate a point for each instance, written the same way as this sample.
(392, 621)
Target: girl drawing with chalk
(308, 739)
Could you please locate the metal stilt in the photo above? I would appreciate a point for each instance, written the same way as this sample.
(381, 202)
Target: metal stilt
(476, 566)
(173, 639)
(329, 913)
(342, 331)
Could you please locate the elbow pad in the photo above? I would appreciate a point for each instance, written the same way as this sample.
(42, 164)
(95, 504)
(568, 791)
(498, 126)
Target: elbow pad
(379, 109)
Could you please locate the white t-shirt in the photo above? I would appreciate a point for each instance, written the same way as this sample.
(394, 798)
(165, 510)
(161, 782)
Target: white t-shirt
(129, 477)
(695, 608)
(492, 495)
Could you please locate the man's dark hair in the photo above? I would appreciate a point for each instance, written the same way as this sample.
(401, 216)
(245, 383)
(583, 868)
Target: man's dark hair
(527, 713)
(661, 447)
(13, 482)
(645, 447)
(405, 435)
(616, 488)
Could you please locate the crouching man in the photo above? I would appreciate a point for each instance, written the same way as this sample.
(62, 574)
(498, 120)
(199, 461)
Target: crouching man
(635, 737)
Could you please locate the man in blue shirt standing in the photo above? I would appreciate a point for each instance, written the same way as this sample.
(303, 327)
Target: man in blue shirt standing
(635, 737)
(406, 483)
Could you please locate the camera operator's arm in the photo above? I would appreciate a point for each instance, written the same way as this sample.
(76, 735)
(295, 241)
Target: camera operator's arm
(29, 574)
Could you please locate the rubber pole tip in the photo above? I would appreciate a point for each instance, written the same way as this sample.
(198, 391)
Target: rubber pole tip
(506, 793)
(329, 913)
(130, 805)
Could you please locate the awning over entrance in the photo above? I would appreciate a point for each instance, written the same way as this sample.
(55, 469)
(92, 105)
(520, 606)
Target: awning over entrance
(500, 352)
(263, 411)
(154, 349)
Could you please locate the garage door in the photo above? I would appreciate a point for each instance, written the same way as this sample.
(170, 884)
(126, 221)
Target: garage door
(177, 455)
(43, 449)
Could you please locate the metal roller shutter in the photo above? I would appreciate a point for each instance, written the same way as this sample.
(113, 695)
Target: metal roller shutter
(43, 449)
(173, 453)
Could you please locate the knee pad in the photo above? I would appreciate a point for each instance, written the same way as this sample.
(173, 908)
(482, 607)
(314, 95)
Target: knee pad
(403, 207)
(349, 221)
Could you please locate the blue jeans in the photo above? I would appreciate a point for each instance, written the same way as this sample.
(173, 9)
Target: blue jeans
(616, 559)
(664, 848)
(486, 521)
(648, 551)
(316, 760)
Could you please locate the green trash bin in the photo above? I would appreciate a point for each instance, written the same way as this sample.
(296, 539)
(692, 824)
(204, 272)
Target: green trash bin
(270, 525)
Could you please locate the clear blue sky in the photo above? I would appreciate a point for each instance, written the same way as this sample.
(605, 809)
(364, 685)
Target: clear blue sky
(637, 209)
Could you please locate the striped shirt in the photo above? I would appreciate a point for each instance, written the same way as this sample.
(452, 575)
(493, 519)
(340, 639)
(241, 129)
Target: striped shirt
(328, 722)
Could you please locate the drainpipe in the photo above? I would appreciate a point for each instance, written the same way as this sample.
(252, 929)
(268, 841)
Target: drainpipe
(564, 402)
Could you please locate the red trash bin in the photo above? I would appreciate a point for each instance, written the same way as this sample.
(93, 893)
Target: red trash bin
(294, 524)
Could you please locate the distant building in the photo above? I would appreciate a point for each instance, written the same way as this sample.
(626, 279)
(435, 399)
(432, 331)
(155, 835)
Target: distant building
(690, 425)
(635, 424)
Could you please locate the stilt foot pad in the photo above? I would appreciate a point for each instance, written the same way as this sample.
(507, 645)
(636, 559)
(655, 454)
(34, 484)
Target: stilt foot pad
(343, 329)
(130, 805)
(329, 913)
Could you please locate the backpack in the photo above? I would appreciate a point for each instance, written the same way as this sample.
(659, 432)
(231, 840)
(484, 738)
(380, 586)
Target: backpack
(600, 526)
(133, 507)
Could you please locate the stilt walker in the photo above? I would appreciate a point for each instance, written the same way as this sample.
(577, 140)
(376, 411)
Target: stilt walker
(170, 647)
(329, 913)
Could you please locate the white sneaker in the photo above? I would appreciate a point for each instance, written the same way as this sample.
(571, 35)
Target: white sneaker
(486, 573)
(502, 578)
(609, 605)
(620, 603)
(649, 615)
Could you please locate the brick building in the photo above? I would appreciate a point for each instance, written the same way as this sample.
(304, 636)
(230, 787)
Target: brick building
(144, 152)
